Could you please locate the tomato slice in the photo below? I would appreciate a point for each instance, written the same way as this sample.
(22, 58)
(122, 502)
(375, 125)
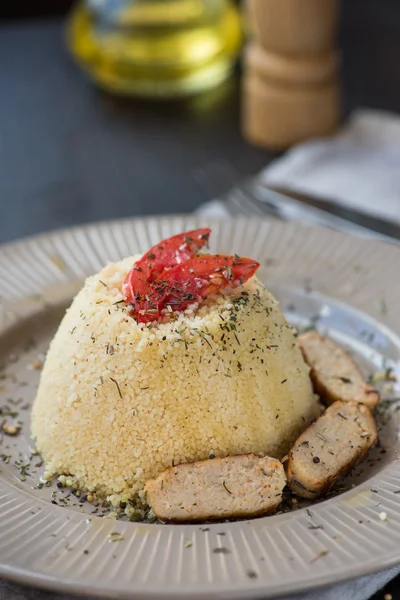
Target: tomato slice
(167, 253)
(192, 281)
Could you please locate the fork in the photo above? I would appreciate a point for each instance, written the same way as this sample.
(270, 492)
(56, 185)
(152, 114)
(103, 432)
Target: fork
(249, 197)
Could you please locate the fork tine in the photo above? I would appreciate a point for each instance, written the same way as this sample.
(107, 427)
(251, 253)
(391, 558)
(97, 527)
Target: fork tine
(244, 200)
(234, 206)
(220, 180)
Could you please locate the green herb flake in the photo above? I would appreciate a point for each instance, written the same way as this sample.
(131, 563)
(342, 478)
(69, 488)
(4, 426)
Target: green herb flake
(221, 550)
(202, 335)
(229, 491)
(117, 384)
(228, 273)
(319, 555)
(115, 537)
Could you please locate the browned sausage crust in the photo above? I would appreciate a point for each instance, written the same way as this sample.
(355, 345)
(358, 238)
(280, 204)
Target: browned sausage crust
(334, 373)
(220, 488)
(329, 448)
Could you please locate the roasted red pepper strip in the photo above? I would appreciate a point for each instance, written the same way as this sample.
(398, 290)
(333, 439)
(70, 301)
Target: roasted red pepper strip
(167, 253)
(192, 281)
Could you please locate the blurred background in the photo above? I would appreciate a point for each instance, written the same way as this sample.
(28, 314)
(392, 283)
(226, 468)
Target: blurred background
(71, 152)
(119, 108)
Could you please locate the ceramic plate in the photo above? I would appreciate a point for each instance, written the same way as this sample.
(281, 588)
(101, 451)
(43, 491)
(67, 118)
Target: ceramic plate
(345, 286)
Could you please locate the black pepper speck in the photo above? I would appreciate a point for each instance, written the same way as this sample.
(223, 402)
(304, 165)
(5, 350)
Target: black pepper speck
(251, 574)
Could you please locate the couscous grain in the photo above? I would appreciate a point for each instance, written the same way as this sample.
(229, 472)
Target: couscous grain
(119, 401)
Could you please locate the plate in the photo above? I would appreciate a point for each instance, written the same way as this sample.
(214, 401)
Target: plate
(344, 285)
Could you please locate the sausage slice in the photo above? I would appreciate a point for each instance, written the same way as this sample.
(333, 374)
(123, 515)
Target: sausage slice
(329, 448)
(334, 373)
(220, 488)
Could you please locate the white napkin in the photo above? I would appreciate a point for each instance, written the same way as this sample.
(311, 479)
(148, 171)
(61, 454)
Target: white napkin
(359, 167)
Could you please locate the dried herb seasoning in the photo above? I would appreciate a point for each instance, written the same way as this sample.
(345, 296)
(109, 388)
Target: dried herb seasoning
(118, 388)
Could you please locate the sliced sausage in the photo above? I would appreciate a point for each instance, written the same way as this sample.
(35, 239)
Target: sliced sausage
(220, 488)
(329, 448)
(334, 373)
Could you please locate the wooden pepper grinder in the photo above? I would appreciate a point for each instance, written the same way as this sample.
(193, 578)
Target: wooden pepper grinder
(291, 83)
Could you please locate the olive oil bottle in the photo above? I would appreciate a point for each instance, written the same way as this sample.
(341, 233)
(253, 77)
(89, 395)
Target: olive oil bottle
(155, 48)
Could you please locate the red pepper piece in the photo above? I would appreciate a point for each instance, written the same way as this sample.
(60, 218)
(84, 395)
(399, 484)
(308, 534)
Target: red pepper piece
(192, 281)
(167, 253)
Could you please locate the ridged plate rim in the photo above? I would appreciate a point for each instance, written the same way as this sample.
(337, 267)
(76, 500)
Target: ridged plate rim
(195, 575)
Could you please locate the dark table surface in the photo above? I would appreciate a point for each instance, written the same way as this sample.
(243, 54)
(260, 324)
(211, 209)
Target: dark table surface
(70, 154)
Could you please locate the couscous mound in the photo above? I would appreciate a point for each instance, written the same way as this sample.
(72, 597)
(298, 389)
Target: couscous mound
(119, 401)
